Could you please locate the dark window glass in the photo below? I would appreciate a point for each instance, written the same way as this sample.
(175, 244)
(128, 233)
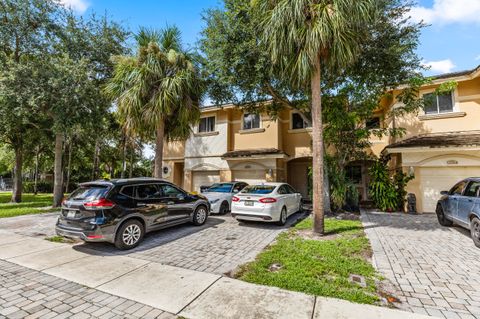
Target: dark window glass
(251, 121)
(298, 122)
(445, 103)
(291, 189)
(258, 189)
(170, 191)
(472, 189)
(148, 192)
(354, 173)
(441, 103)
(128, 191)
(207, 124)
(458, 189)
(89, 192)
(282, 190)
(373, 123)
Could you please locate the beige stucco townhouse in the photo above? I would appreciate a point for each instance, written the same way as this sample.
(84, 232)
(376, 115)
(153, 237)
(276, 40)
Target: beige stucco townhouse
(441, 145)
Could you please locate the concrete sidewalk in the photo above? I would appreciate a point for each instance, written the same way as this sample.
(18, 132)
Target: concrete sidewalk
(184, 292)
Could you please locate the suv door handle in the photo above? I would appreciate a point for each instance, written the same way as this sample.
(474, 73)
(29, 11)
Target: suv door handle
(141, 204)
(170, 202)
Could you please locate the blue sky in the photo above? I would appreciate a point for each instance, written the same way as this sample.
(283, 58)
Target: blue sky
(451, 42)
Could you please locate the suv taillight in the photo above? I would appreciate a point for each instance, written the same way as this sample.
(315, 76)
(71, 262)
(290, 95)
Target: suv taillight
(101, 203)
(235, 199)
(267, 200)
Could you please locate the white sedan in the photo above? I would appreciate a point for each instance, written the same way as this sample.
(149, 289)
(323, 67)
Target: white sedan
(271, 202)
(220, 195)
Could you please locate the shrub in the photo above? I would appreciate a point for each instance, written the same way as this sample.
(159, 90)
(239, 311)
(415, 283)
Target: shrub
(42, 187)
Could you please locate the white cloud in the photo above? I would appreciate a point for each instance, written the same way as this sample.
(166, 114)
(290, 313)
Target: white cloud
(442, 66)
(76, 5)
(448, 11)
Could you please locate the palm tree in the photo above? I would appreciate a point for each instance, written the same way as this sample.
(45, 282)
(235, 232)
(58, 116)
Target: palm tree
(305, 37)
(158, 91)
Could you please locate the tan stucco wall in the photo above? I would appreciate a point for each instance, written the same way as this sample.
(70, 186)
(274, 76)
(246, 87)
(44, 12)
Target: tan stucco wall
(266, 137)
(175, 149)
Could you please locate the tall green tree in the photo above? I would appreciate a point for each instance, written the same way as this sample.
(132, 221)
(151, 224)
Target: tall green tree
(26, 27)
(158, 91)
(272, 51)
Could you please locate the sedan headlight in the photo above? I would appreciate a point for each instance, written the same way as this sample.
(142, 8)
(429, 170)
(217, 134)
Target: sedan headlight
(213, 201)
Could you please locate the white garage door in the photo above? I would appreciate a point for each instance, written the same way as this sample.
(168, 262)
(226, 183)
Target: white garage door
(204, 178)
(249, 176)
(433, 180)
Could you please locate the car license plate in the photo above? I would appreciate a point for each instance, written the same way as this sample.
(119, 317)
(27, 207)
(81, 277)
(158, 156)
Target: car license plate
(71, 214)
(249, 203)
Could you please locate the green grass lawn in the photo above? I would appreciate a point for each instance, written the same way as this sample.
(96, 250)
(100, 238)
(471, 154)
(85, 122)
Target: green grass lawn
(319, 267)
(31, 204)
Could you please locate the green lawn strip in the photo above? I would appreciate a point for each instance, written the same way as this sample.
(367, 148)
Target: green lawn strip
(318, 267)
(31, 204)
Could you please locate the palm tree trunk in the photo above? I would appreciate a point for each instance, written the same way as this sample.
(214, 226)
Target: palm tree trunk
(317, 148)
(58, 171)
(157, 173)
(17, 175)
(69, 165)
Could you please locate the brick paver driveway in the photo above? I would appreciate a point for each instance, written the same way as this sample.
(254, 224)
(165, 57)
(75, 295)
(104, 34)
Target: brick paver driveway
(435, 269)
(219, 246)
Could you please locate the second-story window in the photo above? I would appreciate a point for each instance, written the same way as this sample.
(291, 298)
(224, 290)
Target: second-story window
(207, 124)
(298, 122)
(438, 103)
(373, 123)
(251, 121)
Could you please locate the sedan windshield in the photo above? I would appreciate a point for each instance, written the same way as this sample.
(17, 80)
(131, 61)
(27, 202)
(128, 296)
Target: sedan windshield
(220, 188)
(258, 189)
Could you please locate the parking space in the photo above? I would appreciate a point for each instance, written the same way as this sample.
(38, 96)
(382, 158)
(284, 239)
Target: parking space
(434, 268)
(219, 246)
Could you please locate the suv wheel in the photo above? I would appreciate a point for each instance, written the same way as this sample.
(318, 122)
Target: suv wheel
(129, 235)
(200, 215)
(442, 219)
(475, 231)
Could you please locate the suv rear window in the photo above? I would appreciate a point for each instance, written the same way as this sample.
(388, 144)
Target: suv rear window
(89, 192)
(258, 189)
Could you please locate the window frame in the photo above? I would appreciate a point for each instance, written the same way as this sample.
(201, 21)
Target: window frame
(149, 198)
(374, 128)
(159, 185)
(305, 124)
(252, 128)
(468, 187)
(465, 183)
(452, 97)
(206, 118)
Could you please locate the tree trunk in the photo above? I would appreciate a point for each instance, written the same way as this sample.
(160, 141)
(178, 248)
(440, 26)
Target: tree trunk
(132, 152)
(96, 153)
(317, 147)
(17, 175)
(157, 173)
(35, 185)
(58, 171)
(69, 165)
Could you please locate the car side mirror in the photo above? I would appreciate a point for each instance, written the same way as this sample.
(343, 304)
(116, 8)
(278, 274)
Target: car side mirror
(444, 193)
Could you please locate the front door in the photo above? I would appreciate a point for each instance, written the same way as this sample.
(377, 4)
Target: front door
(149, 203)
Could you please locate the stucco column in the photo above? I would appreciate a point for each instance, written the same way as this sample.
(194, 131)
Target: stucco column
(226, 175)
(187, 181)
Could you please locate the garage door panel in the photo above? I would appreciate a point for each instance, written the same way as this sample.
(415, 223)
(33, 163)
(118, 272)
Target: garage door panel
(433, 180)
(249, 176)
(204, 178)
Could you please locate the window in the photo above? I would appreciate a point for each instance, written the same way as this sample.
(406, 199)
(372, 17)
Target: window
(207, 124)
(441, 103)
(170, 191)
(458, 189)
(89, 192)
(258, 189)
(220, 188)
(127, 191)
(372, 123)
(147, 192)
(354, 173)
(238, 187)
(298, 122)
(472, 189)
(282, 190)
(291, 189)
(251, 121)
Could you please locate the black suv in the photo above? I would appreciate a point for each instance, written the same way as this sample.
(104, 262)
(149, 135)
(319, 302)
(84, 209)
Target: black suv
(121, 211)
